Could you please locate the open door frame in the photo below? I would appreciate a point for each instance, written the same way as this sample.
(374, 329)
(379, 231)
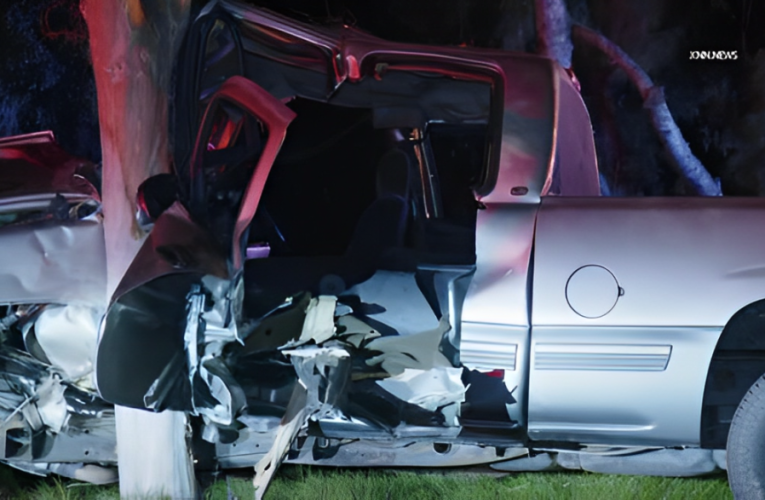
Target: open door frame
(135, 347)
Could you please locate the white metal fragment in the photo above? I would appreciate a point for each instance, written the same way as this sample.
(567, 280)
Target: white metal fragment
(296, 415)
(432, 389)
(89, 473)
(68, 336)
(319, 324)
(355, 331)
(327, 355)
(210, 334)
(51, 404)
(417, 350)
(313, 365)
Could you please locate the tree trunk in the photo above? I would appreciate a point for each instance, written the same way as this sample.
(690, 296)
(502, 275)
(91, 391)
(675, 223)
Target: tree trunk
(553, 31)
(132, 51)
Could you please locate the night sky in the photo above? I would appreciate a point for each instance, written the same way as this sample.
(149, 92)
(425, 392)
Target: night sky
(46, 80)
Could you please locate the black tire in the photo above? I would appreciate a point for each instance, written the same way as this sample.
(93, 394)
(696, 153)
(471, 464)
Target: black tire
(746, 445)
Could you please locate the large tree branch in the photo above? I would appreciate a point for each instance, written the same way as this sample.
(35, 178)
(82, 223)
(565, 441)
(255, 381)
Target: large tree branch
(680, 154)
(553, 31)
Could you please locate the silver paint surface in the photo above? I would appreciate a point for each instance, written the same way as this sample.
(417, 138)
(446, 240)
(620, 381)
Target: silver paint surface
(498, 293)
(588, 399)
(680, 261)
(405, 308)
(607, 357)
(489, 347)
(592, 291)
(53, 262)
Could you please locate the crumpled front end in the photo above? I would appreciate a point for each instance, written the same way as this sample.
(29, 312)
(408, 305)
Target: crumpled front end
(49, 425)
(52, 298)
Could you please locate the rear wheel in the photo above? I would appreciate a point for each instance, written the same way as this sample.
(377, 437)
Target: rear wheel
(746, 445)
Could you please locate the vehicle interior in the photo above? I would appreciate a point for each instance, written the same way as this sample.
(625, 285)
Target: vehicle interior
(370, 200)
(345, 199)
(355, 211)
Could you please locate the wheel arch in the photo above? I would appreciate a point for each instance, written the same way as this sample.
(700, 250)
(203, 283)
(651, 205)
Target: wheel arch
(737, 362)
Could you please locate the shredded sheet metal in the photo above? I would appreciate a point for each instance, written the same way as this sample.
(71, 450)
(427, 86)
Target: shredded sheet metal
(429, 389)
(319, 324)
(204, 338)
(51, 404)
(354, 331)
(409, 365)
(296, 415)
(319, 371)
(417, 350)
(196, 379)
(417, 373)
(51, 425)
(31, 389)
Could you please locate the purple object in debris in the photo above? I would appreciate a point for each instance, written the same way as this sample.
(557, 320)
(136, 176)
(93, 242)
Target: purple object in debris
(259, 251)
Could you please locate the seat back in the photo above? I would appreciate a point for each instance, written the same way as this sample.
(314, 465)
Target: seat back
(383, 224)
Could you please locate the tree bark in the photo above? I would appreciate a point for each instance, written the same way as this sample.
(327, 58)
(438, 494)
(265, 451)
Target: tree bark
(680, 154)
(132, 52)
(553, 31)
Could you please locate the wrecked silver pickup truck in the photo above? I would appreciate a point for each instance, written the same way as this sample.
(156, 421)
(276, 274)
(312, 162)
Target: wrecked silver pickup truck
(379, 254)
(387, 254)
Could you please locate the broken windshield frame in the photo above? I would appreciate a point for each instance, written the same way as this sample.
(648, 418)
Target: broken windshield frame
(238, 95)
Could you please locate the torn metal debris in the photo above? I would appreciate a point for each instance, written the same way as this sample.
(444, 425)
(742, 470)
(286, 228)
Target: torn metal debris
(50, 425)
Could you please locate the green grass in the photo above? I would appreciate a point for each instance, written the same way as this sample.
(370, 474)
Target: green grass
(312, 483)
(19, 485)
